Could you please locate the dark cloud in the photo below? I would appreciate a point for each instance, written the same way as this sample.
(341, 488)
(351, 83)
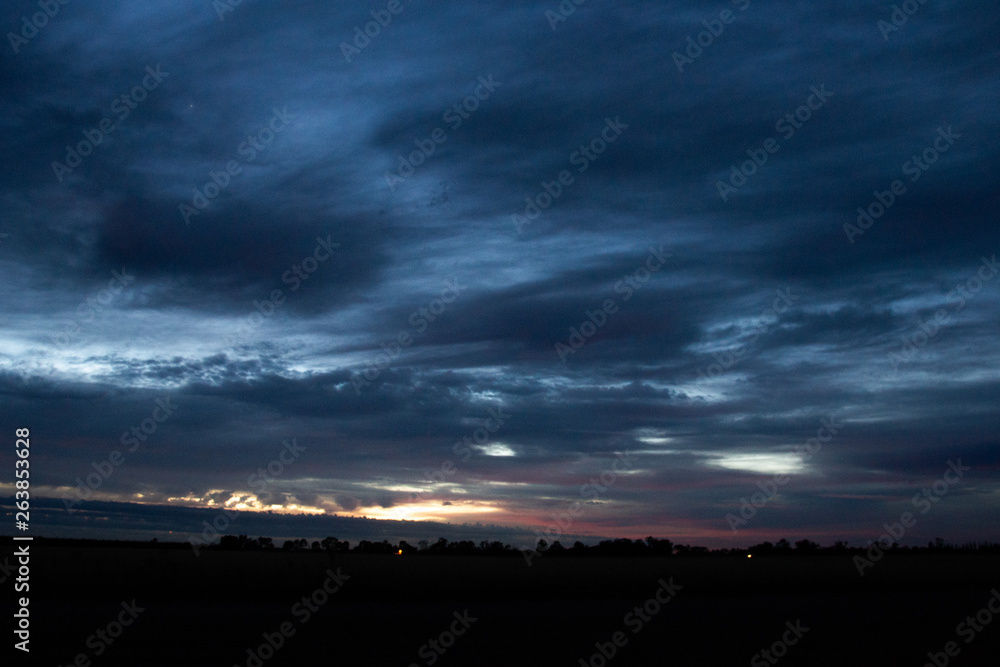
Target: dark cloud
(456, 405)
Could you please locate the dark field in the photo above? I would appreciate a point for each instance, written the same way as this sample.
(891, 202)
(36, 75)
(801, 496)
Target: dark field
(210, 609)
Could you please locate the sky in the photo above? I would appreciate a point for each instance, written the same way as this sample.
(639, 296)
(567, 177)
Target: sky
(717, 272)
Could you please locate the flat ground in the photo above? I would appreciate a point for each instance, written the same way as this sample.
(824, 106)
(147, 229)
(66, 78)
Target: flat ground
(210, 609)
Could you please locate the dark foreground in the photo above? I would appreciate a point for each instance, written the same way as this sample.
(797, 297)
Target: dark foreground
(214, 608)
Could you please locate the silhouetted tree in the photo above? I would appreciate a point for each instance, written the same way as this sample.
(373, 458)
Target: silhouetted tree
(229, 543)
(369, 547)
(658, 547)
(806, 546)
(331, 544)
(462, 548)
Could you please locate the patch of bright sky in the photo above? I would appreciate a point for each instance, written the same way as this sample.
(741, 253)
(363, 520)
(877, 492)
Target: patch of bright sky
(487, 396)
(245, 502)
(398, 488)
(423, 511)
(654, 440)
(495, 449)
(769, 463)
(487, 482)
(714, 390)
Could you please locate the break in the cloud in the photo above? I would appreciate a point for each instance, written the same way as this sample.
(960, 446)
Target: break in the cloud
(466, 261)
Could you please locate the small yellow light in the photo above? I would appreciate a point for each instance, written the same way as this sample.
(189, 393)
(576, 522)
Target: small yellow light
(749, 555)
(399, 553)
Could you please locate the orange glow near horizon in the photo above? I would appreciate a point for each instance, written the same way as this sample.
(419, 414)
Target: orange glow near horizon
(426, 511)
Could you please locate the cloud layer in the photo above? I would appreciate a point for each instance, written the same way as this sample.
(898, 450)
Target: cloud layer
(468, 257)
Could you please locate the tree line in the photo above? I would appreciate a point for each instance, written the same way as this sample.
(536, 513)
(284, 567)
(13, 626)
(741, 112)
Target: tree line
(650, 546)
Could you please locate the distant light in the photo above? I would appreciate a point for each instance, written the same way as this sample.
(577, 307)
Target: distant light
(399, 553)
(749, 555)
